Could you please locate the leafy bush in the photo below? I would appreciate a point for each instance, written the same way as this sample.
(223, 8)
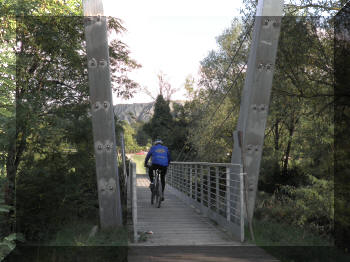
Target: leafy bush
(51, 191)
(7, 244)
(77, 233)
(7, 240)
(310, 207)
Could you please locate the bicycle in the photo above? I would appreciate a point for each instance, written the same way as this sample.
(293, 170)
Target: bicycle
(157, 190)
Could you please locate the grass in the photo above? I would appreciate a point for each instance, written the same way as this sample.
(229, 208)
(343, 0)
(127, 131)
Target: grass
(139, 160)
(72, 243)
(77, 234)
(292, 244)
(271, 233)
(6, 246)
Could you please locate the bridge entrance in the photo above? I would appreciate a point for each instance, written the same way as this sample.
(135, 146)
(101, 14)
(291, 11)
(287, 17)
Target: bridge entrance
(189, 226)
(203, 206)
(175, 223)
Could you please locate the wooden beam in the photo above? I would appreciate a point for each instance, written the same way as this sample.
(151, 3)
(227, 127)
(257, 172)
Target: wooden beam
(102, 114)
(256, 94)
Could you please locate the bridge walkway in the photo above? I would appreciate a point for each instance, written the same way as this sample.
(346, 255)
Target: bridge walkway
(175, 223)
(182, 234)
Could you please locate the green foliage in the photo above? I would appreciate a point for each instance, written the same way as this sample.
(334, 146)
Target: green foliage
(65, 182)
(131, 145)
(140, 161)
(142, 137)
(7, 220)
(161, 123)
(131, 135)
(313, 205)
(69, 253)
(77, 233)
(7, 244)
(170, 126)
(213, 112)
(297, 164)
(280, 233)
(290, 243)
(341, 141)
(46, 149)
(309, 207)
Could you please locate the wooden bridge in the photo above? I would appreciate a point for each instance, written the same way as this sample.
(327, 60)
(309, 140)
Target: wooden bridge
(204, 201)
(190, 225)
(175, 223)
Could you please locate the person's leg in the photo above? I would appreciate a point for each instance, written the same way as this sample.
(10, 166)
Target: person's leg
(150, 173)
(163, 173)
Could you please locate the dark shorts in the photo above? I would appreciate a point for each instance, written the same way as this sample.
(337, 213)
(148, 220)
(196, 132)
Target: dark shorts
(162, 169)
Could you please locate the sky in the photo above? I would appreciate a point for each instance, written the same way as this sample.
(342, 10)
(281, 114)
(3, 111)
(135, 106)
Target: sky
(171, 37)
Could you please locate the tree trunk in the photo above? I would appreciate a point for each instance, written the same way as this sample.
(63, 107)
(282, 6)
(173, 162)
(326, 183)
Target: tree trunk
(277, 136)
(286, 155)
(289, 146)
(15, 151)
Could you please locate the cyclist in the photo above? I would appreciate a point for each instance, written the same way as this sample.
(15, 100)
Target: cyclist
(160, 160)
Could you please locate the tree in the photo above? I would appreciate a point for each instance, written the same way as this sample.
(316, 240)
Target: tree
(298, 147)
(215, 107)
(160, 124)
(131, 145)
(170, 126)
(50, 67)
(164, 88)
(49, 138)
(142, 138)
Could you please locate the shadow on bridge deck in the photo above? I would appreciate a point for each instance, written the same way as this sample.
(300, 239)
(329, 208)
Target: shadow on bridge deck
(175, 223)
(199, 254)
(182, 234)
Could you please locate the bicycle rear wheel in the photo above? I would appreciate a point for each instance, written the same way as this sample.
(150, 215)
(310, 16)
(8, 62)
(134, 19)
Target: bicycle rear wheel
(159, 193)
(152, 195)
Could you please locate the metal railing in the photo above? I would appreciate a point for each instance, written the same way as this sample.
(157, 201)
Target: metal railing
(216, 189)
(132, 198)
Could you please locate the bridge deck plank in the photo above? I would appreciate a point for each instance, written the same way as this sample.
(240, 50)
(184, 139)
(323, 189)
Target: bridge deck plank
(175, 223)
(181, 234)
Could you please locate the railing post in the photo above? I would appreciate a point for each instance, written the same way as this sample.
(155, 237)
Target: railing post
(191, 181)
(201, 184)
(228, 191)
(175, 175)
(134, 200)
(168, 176)
(217, 188)
(130, 183)
(209, 187)
(183, 178)
(178, 176)
(168, 180)
(172, 175)
(241, 180)
(187, 180)
(196, 182)
(128, 189)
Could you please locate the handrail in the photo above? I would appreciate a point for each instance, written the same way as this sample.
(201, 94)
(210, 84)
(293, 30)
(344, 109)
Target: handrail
(206, 164)
(132, 198)
(216, 189)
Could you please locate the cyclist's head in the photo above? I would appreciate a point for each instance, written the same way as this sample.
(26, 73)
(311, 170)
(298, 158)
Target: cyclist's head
(158, 141)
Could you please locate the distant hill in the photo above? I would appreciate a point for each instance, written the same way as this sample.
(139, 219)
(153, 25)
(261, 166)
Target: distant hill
(134, 112)
(137, 111)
